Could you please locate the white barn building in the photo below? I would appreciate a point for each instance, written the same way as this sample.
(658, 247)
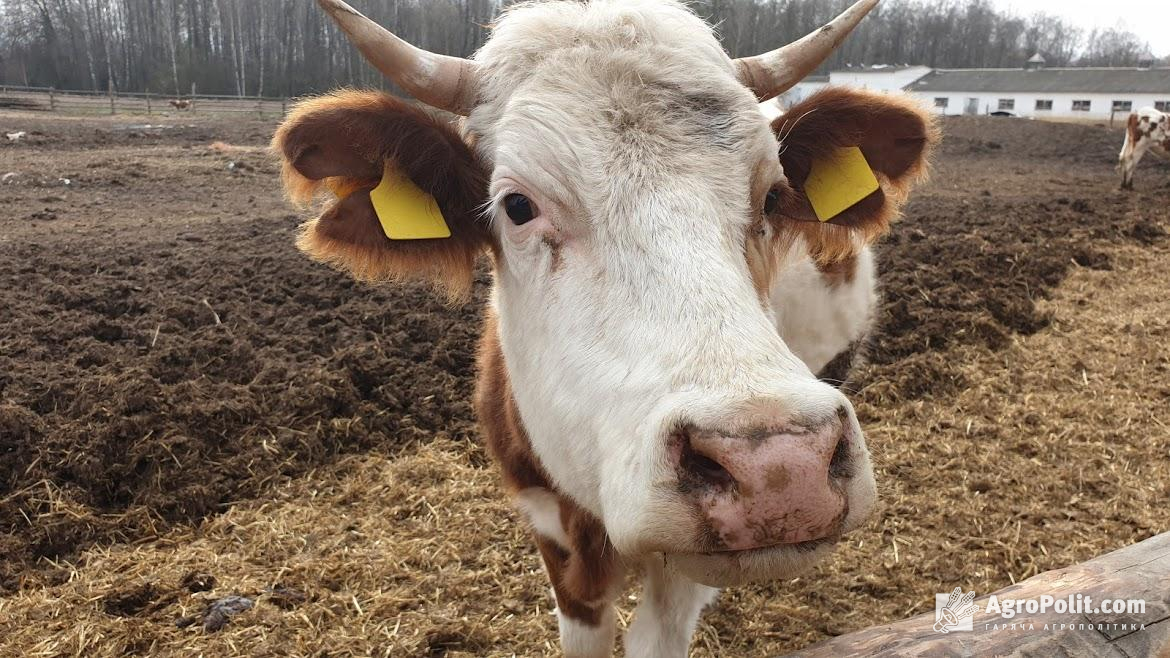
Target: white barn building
(1033, 91)
(1044, 93)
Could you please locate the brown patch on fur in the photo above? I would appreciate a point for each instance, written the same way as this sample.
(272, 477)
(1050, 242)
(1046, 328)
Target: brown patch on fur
(1133, 134)
(557, 562)
(341, 143)
(593, 568)
(762, 264)
(840, 273)
(895, 133)
(554, 250)
(586, 574)
(1133, 129)
(761, 253)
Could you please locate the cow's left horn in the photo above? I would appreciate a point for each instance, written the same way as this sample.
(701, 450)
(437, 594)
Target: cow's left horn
(448, 83)
(774, 73)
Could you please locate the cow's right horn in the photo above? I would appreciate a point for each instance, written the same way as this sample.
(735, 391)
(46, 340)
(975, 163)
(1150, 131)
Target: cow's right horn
(774, 73)
(447, 83)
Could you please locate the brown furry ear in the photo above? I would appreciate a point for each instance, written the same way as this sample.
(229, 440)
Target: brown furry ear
(895, 134)
(341, 143)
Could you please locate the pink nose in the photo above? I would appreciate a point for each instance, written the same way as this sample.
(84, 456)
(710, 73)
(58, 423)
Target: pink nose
(765, 489)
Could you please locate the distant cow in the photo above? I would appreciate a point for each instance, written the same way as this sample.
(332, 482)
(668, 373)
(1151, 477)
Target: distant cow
(182, 105)
(1147, 129)
(663, 293)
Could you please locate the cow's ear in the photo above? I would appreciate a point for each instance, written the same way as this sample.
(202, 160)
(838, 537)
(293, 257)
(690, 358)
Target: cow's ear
(342, 144)
(894, 133)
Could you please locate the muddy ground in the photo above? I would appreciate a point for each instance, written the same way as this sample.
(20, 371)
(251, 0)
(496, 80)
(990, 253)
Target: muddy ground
(183, 396)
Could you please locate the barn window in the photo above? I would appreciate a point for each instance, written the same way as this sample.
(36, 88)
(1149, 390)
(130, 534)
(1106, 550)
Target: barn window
(1043, 105)
(1007, 104)
(1122, 106)
(1162, 106)
(942, 102)
(1082, 106)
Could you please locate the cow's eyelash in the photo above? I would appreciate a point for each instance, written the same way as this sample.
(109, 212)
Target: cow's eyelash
(486, 211)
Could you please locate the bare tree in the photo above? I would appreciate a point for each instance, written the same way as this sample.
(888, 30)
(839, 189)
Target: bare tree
(286, 47)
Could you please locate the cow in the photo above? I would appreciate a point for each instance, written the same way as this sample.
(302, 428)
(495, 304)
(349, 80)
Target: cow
(1146, 130)
(182, 105)
(663, 291)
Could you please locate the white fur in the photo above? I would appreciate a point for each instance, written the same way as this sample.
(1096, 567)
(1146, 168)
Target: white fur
(544, 514)
(818, 321)
(772, 109)
(668, 613)
(1132, 153)
(580, 640)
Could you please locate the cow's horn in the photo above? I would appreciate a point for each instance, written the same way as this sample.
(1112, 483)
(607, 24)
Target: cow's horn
(774, 73)
(448, 83)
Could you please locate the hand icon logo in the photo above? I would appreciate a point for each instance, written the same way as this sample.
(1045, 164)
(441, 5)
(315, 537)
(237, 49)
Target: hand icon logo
(958, 608)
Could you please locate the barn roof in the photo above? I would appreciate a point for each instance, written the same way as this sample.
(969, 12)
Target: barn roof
(1073, 80)
(878, 68)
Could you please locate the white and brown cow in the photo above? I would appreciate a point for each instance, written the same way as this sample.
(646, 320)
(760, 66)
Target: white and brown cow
(1147, 130)
(663, 294)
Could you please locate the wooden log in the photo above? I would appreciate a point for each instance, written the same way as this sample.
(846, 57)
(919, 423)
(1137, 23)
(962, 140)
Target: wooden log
(1141, 571)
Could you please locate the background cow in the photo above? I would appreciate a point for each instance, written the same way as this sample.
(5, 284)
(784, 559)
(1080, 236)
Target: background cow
(647, 241)
(1147, 129)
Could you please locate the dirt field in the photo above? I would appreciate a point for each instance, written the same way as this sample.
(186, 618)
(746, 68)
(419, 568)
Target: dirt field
(189, 409)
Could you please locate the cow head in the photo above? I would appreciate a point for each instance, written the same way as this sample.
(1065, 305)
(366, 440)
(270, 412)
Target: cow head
(636, 206)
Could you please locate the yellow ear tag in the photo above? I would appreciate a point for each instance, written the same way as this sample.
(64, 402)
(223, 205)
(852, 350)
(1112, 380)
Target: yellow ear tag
(405, 211)
(839, 182)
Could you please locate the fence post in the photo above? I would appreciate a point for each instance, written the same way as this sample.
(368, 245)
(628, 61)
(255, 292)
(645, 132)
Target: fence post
(283, 107)
(149, 109)
(113, 107)
(52, 99)
(192, 108)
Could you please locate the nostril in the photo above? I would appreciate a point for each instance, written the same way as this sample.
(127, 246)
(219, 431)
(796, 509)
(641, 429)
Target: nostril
(699, 470)
(709, 470)
(841, 464)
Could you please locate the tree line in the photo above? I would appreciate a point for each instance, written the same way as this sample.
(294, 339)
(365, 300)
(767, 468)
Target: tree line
(288, 47)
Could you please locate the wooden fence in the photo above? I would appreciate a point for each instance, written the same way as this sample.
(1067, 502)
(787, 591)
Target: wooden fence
(41, 99)
(1140, 572)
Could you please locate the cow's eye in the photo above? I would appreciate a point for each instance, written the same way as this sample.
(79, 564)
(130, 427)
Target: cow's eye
(772, 201)
(520, 209)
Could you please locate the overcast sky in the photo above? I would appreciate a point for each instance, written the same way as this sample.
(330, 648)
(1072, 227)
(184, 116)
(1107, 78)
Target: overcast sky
(1149, 19)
